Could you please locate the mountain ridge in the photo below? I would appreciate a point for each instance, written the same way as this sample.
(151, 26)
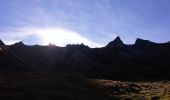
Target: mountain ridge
(115, 42)
(114, 61)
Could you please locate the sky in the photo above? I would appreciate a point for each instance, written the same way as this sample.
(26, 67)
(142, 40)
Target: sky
(92, 22)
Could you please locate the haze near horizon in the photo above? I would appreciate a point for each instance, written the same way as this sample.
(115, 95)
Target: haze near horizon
(92, 22)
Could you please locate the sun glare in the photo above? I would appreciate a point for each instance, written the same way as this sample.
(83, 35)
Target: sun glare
(61, 37)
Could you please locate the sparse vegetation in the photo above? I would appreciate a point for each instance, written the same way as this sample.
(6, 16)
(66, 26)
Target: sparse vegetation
(134, 90)
(60, 86)
(77, 72)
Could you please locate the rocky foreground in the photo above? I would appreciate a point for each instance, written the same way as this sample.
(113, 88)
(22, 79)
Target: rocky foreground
(62, 86)
(77, 72)
(134, 90)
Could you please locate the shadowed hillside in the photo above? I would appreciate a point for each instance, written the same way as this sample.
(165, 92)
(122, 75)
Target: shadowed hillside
(114, 61)
(69, 73)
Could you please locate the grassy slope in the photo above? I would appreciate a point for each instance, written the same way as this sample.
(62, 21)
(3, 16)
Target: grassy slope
(64, 86)
(135, 90)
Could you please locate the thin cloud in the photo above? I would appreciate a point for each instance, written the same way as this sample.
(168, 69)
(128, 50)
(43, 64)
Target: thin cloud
(58, 36)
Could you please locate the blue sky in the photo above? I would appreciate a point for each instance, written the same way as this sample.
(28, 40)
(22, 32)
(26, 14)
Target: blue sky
(93, 22)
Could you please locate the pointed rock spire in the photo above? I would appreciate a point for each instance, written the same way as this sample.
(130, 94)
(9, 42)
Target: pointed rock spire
(19, 44)
(2, 43)
(2, 46)
(116, 42)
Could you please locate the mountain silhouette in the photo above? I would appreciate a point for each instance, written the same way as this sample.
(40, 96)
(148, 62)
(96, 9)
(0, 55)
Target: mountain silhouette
(2, 46)
(10, 61)
(1, 43)
(115, 43)
(143, 60)
(18, 44)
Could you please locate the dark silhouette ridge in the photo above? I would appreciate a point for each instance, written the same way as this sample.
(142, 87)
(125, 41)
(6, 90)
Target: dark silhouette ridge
(77, 46)
(117, 42)
(141, 42)
(115, 61)
(2, 46)
(19, 44)
(10, 61)
(1, 43)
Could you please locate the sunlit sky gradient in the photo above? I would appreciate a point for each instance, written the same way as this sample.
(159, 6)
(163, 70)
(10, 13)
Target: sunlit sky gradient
(93, 22)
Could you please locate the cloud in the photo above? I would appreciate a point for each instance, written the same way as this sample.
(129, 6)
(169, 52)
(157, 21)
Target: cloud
(44, 36)
(100, 21)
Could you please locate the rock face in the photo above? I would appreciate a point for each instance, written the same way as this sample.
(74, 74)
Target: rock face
(19, 44)
(9, 61)
(144, 43)
(115, 43)
(2, 46)
(1, 43)
(142, 61)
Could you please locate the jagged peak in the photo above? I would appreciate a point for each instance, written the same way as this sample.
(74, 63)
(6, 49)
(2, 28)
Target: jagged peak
(2, 46)
(142, 42)
(76, 46)
(2, 43)
(20, 43)
(117, 38)
(116, 42)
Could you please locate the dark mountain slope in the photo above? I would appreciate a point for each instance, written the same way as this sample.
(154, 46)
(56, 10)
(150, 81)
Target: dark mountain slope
(10, 61)
(142, 61)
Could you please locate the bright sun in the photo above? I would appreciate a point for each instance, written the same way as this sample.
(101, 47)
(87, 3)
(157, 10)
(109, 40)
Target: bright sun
(61, 37)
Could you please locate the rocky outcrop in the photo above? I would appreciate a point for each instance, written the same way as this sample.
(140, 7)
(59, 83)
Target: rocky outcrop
(2, 46)
(115, 61)
(115, 43)
(19, 44)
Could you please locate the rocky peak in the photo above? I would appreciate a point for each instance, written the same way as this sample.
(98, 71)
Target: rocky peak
(145, 44)
(19, 44)
(141, 42)
(2, 46)
(77, 46)
(1, 43)
(116, 42)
